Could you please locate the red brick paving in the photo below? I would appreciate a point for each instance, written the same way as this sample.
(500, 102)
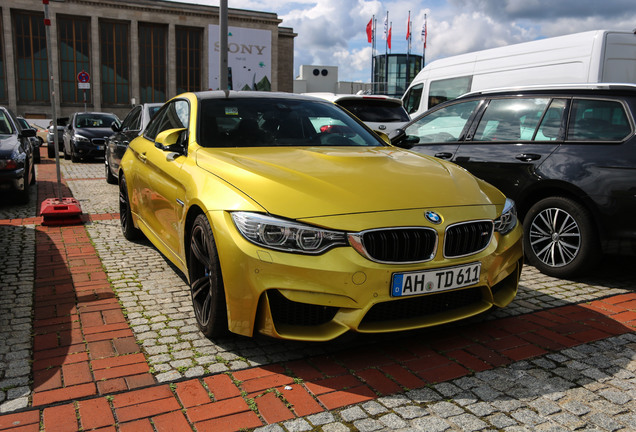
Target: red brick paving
(84, 350)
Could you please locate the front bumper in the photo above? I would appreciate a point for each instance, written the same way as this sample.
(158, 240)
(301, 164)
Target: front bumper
(94, 148)
(318, 298)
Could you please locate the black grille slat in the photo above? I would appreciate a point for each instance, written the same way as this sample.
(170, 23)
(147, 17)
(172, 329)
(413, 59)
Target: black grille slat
(400, 245)
(467, 238)
(414, 307)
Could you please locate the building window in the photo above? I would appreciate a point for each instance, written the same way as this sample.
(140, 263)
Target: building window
(188, 58)
(31, 58)
(115, 71)
(74, 46)
(152, 62)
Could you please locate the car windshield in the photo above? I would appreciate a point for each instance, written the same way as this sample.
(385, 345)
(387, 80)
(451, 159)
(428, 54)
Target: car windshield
(375, 110)
(94, 120)
(272, 122)
(5, 124)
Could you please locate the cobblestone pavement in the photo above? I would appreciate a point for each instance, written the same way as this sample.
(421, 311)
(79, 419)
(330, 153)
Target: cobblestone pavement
(587, 387)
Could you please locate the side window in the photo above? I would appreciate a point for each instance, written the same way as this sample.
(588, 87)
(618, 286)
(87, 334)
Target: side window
(174, 115)
(131, 122)
(510, 119)
(550, 126)
(444, 125)
(412, 98)
(447, 89)
(598, 120)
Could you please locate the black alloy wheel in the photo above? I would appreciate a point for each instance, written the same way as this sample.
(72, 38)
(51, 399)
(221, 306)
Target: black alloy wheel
(125, 215)
(206, 282)
(559, 237)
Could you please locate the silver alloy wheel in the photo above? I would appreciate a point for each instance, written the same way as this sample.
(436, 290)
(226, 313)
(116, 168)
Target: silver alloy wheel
(555, 237)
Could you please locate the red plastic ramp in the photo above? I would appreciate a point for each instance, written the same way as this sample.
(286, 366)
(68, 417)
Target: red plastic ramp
(62, 211)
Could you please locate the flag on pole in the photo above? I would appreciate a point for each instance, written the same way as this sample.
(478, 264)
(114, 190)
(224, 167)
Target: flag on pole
(424, 33)
(408, 27)
(389, 37)
(370, 31)
(386, 26)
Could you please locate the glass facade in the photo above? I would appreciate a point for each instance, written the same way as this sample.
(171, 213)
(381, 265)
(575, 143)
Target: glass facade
(153, 62)
(31, 57)
(189, 46)
(115, 70)
(74, 46)
(392, 73)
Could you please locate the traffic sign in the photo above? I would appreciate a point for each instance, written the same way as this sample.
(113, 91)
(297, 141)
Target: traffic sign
(83, 77)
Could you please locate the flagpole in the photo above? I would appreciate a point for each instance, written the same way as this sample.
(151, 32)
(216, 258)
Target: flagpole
(424, 45)
(386, 54)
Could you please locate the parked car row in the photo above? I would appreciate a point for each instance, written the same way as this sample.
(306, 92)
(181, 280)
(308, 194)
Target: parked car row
(17, 155)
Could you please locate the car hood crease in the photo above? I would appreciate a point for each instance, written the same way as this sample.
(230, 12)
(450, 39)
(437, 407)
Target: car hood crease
(320, 181)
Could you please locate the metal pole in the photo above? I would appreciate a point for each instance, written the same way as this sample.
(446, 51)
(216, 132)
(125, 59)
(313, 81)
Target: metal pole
(49, 55)
(223, 70)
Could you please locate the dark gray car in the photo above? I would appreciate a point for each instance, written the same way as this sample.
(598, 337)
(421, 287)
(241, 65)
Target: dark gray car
(86, 134)
(17, 170)
(134, 123)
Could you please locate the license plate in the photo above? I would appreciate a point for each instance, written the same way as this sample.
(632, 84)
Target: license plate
(100, 147)
(442, 279)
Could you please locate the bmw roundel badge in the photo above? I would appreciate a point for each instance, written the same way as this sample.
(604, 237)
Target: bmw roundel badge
(433, 217)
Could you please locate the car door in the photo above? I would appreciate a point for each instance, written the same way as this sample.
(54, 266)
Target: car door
(512, 137)
(158, 181)
(118, 142)
(439, 132)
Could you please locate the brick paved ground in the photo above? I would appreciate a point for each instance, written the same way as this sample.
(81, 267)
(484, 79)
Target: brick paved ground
(97, 333)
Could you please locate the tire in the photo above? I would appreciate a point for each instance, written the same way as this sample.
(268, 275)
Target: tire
(50, 151)
(560, 237)
(125, 215)
(110, 178)
(23, 195)
(206, 282)
(74, 157)
(67, 156)
(36, 155)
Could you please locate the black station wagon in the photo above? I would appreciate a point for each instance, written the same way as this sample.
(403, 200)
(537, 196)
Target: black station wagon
(566, 154)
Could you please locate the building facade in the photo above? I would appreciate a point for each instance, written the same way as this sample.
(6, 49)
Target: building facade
(392, 73)
(107, 55)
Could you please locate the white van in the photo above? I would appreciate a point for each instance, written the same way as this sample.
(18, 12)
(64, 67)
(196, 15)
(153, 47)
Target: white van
(589, 57)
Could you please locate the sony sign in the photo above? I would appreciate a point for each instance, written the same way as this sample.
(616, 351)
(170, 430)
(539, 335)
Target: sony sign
(249, 58)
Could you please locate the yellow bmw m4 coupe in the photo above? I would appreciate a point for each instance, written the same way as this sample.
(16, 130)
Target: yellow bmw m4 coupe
(291, 218)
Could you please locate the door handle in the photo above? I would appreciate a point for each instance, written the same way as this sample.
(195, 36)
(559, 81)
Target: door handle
(143, 157)
(444, 155)
(527, 157)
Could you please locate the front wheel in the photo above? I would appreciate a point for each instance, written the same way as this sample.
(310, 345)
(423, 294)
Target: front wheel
(206, 282)
(559, 237)
(125, 215)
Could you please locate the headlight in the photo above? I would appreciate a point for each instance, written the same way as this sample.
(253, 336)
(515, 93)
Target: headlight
(79, 138)
(287, 236)
(508, 219)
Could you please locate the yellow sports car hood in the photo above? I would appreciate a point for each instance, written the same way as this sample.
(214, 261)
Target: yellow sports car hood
(302, 182)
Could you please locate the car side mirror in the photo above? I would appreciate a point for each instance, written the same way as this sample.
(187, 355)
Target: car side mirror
(27, 133)
(399, 138)
(171, 140)
(383, 135)
(115, 127)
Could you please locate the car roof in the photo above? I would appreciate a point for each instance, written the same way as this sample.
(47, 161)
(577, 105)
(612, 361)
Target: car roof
(336, 97)
(248, 94)
(554, 88)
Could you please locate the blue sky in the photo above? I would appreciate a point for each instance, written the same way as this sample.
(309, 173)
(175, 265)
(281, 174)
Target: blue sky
(333, 32)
